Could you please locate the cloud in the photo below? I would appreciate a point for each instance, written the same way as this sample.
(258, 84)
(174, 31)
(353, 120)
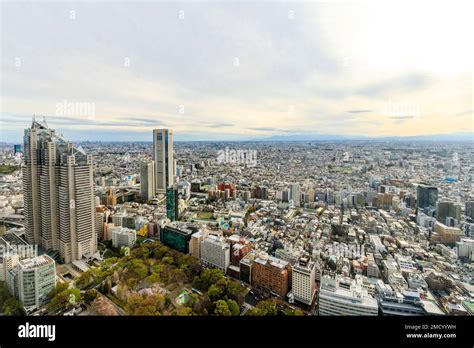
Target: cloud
(406, 84)
(72, 121)
(359, 111)
(264, 129)
(402, 117)
(466, 112)
(218, 125)
(227, 66)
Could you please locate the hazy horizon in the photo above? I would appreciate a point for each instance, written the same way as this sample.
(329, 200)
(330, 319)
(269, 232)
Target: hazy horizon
(146, 137)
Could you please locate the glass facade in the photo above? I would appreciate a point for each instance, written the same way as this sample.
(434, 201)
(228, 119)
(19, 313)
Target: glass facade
(176, 239)
(172, 211)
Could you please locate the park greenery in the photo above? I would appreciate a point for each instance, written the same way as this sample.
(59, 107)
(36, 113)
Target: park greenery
(8, 304)
(8, 169)
(272, 307)
(148, 280)
(137, 275)
(63, 297)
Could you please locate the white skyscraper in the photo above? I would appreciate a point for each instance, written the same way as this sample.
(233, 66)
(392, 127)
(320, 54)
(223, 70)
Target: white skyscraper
(58, 190)
(303, 278)
(163, 157)
(147, 180)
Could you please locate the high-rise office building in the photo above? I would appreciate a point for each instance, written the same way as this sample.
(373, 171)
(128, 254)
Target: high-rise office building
(469, 209)
(427, 196)
(446, 209)
(164, 160)
(147, 180)
(303, 278)
(172, 199)
(58, 194)
(469, 230)
(295, 194)
(32, 280)
(285, 195)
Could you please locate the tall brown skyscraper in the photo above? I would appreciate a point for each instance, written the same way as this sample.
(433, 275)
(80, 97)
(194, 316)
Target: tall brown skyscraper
(58, 190)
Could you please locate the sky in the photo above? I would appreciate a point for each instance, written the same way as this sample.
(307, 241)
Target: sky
(215, 70)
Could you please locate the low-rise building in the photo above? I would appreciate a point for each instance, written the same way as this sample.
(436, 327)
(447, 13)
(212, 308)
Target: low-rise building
(123, 237)
(215, 252)
(32, 280)
(271, 274)
(341, 297)
(391, 302)
(177, 236)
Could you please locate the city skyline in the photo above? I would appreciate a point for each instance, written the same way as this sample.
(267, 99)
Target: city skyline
(144, 136)
(207, 159)
(237, 71)
(314, 229)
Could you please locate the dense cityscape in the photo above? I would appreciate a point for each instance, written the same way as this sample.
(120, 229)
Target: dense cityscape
(161, 227)
(251, 173)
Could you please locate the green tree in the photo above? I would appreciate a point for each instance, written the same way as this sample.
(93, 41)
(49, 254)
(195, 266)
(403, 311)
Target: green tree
(211, 276)
(3, 293)
(292, 312)
(90, 295)
(186, 311)
(255, 311)
(264, 308)
(198, 283)
(84, 279)
(109, 262)
(160, 252)
(60, 287)
(153, 278)
(236, 292)
(221, 308)
(145, 305)
(233, 307)
(167, 260)
(11, 306)
(215, 292)
(137, 269)
(177, 275)
(66, 299)
(145, 252)
(298, 312)
(203, 306)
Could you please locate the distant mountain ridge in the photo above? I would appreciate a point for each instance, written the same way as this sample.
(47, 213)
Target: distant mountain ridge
(463, 137)
(296, 137)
